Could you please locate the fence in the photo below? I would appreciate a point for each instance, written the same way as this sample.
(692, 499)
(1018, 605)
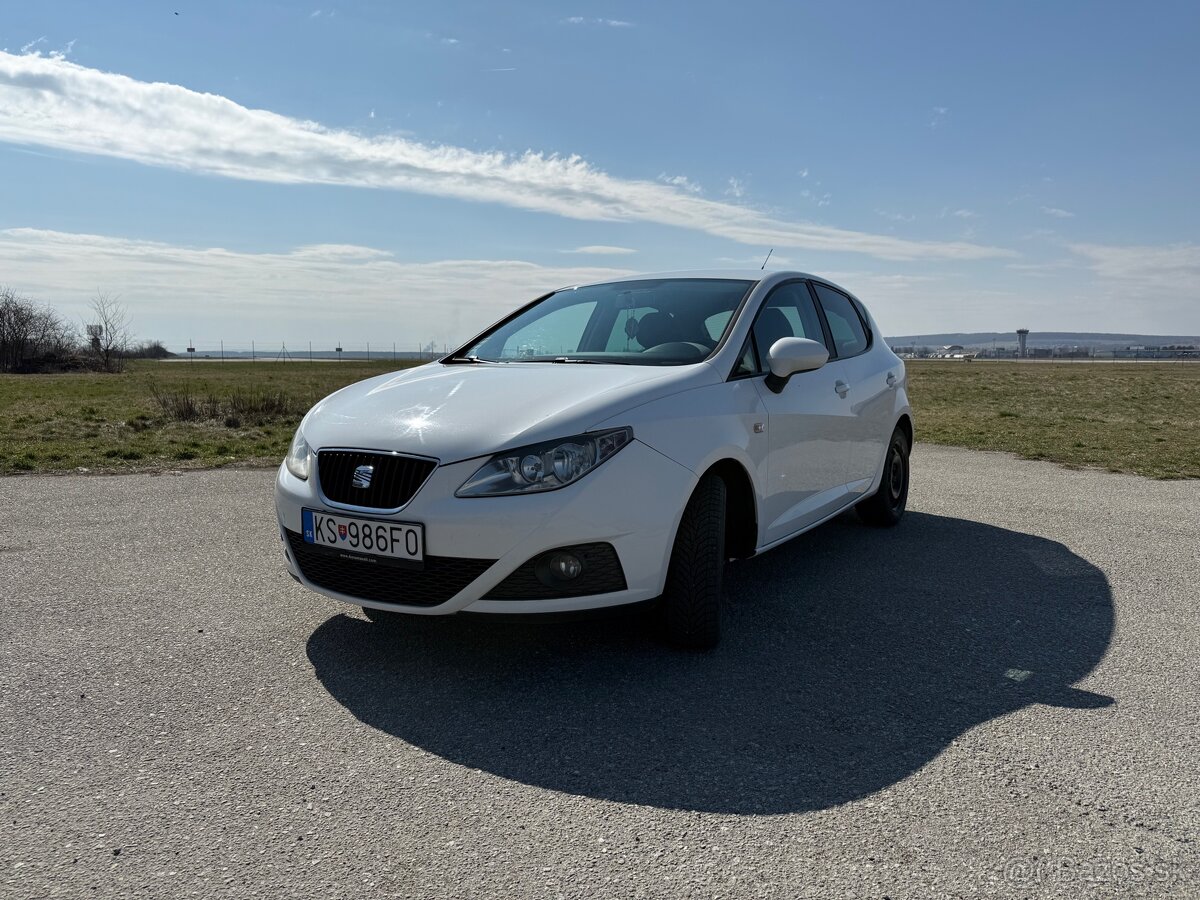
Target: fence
(308, 351)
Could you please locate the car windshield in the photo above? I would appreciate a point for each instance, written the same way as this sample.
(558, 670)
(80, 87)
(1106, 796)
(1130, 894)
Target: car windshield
(651, 322)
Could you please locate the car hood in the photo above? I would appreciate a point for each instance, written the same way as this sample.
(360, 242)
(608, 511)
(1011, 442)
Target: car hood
(455, 412)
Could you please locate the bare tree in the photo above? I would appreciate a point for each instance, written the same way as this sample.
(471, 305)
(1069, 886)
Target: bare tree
(108, 332)
(31, 335)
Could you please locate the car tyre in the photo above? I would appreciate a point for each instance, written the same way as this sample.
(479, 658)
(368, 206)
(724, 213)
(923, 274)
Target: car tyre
(885, 507)
(689, 610)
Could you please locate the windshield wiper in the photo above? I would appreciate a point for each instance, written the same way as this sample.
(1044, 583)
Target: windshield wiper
(574, 359)
(465, 360)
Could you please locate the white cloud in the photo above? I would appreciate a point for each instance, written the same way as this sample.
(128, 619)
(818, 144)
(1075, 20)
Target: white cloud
(1053, 267)
(211, 293)
(895, 216)
(680, 181)
(939, 115)
(1169, 264)
(756, 262)
(1057, 213)
(56, 103)
(33, 43)
(1038, 234)
(584, 20)
(965, 214)
(449, 41)
(601, 250)
(736, 189)
(1153, 285)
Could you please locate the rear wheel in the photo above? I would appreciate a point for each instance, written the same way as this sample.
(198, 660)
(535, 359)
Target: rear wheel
(886, 506)
(689, 609)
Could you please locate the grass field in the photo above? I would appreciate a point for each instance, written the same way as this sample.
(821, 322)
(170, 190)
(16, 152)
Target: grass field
(1136, 417)
(1142, 418)
(241, 413)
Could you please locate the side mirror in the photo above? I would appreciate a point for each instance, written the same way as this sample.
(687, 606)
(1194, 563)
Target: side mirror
(790, 356)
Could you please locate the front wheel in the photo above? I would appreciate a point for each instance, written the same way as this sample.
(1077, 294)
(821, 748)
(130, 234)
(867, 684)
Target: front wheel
(886, 506)
(690, 606)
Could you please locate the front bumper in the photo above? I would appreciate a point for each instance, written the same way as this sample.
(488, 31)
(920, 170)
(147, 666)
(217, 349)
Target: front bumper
(633, 502)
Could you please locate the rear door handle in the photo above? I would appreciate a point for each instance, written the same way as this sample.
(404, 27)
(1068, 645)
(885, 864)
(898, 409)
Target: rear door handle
(892, 379)
(841, 387)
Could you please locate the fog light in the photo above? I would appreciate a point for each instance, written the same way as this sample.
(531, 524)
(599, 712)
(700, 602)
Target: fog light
(565, 566)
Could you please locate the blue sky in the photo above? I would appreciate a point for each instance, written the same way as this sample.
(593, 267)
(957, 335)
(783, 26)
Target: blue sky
(391, 172)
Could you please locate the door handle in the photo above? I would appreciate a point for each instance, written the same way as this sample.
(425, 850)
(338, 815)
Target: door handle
(841, 387)
(891, 379)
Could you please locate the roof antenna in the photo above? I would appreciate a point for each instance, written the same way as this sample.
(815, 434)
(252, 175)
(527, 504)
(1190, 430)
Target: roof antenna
(764, 265)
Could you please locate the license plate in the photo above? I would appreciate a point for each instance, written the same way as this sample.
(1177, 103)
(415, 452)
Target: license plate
(372, 539)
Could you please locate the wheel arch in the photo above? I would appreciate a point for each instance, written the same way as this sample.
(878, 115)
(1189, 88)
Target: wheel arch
(905, 424)
(741, 508)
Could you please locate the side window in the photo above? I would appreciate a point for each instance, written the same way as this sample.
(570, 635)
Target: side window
(788, 312)
(849, 336)
(748, 364)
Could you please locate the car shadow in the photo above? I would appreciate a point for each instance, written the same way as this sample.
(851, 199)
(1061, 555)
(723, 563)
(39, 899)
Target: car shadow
(851, 657)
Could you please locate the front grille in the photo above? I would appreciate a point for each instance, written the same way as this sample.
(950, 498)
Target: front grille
(602, 574)
(440, 579)
(394, 479)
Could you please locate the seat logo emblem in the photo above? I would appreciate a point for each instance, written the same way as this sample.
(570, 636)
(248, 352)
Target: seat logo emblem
(362, 476)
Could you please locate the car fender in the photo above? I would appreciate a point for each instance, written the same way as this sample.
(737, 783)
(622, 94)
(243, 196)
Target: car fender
(704, 426)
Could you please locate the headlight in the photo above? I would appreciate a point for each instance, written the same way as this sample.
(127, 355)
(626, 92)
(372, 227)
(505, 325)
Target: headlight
(544, 467)
(298, 456)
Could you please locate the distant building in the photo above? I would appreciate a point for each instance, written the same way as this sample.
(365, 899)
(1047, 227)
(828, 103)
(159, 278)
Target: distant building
(1022, 334)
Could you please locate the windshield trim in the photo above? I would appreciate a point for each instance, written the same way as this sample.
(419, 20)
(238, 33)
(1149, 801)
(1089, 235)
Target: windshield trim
(461, 351)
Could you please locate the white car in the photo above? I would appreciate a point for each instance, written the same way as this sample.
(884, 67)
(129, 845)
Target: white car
(606, 444)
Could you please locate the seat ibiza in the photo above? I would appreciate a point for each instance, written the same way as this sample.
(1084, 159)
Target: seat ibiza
(606, 444)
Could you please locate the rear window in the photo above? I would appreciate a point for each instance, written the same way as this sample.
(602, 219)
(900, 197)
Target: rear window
(849, 336)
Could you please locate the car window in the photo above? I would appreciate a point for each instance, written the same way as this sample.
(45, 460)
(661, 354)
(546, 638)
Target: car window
(715, 325)
(748, 362)
(788, 312)
(650, 322)
(555, 334)
(849, 336)
(625, 329)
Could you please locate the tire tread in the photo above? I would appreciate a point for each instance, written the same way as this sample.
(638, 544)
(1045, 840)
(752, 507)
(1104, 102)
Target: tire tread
(691, 603)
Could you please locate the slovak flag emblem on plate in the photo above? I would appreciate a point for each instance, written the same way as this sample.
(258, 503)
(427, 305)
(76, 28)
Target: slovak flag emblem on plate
(342, 532)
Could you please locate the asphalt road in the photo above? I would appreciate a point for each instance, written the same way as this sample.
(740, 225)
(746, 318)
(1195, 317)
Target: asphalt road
(997, 698)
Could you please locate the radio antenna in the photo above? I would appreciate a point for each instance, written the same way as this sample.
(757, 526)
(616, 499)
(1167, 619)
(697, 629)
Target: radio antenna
(764, 265)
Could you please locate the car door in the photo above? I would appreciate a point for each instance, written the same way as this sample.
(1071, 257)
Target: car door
(865, 373)
(808, 433)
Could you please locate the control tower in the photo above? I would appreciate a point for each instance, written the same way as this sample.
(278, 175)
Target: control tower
(1022, 334)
